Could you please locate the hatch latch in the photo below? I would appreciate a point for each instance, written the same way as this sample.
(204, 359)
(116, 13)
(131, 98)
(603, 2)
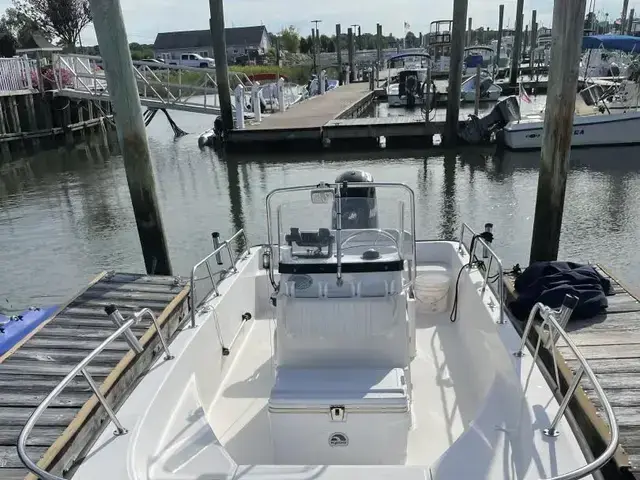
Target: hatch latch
(337, 413)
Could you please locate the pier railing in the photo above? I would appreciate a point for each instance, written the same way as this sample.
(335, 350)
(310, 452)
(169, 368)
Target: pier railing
(160, 85)
(16, 74)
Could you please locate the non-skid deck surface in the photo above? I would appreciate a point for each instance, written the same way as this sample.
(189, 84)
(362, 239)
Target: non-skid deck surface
(316, 111)
(29, 373)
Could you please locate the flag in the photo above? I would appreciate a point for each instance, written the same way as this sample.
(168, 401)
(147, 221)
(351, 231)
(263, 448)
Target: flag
(406, 26)
(523, 94)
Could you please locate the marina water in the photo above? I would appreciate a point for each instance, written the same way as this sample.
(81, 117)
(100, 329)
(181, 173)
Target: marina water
(66, 215)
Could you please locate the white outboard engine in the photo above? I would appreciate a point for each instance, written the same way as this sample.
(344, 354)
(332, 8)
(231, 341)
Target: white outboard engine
(359, 208)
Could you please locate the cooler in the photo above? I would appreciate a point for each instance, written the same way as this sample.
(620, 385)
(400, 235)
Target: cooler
(339, 416)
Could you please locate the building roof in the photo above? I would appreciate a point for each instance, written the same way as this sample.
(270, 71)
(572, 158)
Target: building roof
(37, 43)
(202, 38)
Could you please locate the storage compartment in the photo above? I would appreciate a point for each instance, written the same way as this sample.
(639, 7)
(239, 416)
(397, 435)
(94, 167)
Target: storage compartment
(339, 416)
(432, 288)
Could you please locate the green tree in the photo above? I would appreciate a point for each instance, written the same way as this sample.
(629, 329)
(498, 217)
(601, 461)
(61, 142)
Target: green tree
(19, 25)
(7, 44)
(411, 40)
(64, 19)
(290, 39)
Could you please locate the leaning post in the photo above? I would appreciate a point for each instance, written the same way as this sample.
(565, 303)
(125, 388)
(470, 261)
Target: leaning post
(132, 136)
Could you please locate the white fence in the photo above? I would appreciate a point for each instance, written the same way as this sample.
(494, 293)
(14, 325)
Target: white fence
(17, 73)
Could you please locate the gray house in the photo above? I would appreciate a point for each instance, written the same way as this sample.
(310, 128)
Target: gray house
(240, 41)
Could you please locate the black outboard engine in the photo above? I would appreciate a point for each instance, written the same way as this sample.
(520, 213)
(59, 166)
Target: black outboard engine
(358, 204)
(478, 130)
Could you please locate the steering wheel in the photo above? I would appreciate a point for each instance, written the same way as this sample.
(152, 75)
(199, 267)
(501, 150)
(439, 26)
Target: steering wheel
(380, 233)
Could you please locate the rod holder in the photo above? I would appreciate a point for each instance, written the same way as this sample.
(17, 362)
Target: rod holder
(120, 430)
(215, 236)
(488, 228)
(569, 303)
(116, 317)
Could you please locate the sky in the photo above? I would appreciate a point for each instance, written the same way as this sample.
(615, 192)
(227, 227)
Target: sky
(145, 18)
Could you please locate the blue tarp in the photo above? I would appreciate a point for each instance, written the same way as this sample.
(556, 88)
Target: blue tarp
(625, 43)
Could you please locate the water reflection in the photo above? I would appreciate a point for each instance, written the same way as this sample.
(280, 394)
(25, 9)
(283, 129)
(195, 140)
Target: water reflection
(66, 215)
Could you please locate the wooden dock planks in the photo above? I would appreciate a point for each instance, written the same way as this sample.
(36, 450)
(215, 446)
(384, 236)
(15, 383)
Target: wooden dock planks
(610, 343)
(32, 369)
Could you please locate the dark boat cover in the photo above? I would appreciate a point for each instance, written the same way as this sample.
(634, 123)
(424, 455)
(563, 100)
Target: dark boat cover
(549, 282)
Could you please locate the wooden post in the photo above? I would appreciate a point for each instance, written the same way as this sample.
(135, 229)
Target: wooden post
(517, 42)
(534, 36)
(525, 40)
(630, 21)
(66, 123)
(455, 71)
(476, 107)
(314, 66)
(216, 25)
(379, 52)
(339, 54)
(278, 51)
(499, 45)
(81, 116)
(31, 118)
(4, 146)
(318, 48)
(351, 53)
(469, 31)
(568, 25)
(623, 16)
(132, 136)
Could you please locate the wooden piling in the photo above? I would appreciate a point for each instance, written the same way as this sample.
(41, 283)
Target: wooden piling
(476, 106)
(568, 25)
(132, 135)
(314, 57)
(4, 147)
(66, 124)
(379, 52)
(534, 33)
(339, 53)
(630, 21)
(517, 42)
(31, 118)
(469, 31)
(216, 25)
(499, 45)
(623, 16)
(455, 71)
(525, 39)
(81, 116)
(351, 52)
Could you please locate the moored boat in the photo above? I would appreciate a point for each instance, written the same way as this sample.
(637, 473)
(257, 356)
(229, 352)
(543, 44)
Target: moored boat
(344, 348)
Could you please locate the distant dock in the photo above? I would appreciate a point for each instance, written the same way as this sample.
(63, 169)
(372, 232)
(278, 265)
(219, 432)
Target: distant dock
(333, 120)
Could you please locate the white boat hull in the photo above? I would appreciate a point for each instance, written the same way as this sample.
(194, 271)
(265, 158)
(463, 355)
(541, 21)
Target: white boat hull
(202, 415)
(588, 130)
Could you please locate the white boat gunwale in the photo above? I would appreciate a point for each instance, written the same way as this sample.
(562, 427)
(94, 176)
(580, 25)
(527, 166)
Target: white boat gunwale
(215, 294)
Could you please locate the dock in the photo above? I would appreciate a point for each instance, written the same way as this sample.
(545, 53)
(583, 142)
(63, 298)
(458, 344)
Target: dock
(31, 370)
(335, 119)
(610, 342)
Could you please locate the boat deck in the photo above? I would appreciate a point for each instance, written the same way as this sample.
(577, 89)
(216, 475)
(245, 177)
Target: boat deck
(30, 370)
(610, 342)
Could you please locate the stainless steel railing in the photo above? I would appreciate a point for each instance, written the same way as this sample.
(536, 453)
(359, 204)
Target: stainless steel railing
(226, 245)
(124, 329)
(555, 319)
(487, 252)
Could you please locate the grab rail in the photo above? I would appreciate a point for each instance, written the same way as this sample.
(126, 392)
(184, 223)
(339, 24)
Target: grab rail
(81, 368)
(487, 252)
(555, 324)
(226, 245)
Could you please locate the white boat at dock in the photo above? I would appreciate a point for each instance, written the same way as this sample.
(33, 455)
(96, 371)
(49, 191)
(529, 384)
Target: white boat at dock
(343, 348)
(409, 85)
(594, 123)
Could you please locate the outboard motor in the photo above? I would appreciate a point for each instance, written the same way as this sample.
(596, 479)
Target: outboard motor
(358, 204)
(478, 130)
